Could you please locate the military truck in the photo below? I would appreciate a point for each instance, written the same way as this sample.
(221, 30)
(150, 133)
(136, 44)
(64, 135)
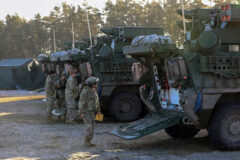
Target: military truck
(197, 88)
(118, 93)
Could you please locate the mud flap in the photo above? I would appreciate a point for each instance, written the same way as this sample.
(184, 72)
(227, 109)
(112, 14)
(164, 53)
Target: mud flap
(149, 124)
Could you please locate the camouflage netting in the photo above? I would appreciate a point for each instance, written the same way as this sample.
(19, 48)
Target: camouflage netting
(150, 39)
(70, 52)
(25, 74)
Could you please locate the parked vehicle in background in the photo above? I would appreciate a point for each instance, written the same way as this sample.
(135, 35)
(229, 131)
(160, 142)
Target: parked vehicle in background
(119, 94)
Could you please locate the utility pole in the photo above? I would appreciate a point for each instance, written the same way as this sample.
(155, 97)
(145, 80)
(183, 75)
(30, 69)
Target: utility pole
(183, 16)
(73, 38)
(89, 29)
(54, 40)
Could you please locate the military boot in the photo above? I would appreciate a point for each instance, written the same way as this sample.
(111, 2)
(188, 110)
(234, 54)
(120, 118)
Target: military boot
(49, 119)
(71, 122)
(71, 119)
(87, 143)
(67, 119)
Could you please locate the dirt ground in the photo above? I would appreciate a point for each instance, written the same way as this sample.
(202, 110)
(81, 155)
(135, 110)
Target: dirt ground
(24, 134)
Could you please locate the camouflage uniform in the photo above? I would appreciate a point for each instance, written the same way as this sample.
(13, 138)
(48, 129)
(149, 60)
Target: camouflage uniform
(60, 93)
(59, 70)
(50, 95)
(71, 94)
(89, 106)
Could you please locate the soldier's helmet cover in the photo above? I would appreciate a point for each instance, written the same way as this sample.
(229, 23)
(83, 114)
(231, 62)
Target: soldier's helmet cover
(64, 73)
(43, 58)
(91, 81)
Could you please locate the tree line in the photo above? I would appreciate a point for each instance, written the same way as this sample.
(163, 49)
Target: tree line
(21, 38)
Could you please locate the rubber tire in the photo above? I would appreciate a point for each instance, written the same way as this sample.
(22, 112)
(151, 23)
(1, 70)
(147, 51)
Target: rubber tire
(217, 127)
(181, 131)
(136, 109)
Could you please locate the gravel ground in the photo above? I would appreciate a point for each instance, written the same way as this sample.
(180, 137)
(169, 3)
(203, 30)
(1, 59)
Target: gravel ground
(24, 134)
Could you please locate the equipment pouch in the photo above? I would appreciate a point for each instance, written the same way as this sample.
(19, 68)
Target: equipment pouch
(99, 117)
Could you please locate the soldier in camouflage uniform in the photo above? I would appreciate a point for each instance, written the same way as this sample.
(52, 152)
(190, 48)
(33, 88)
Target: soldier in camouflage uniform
(60, 91)
(71, 94)
(50, 90)
(89, 106)
(59, 70)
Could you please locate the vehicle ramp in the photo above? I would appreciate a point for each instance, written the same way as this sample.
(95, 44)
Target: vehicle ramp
(151, 123)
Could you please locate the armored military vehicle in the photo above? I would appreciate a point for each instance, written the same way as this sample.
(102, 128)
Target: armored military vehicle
(197, 88)
(118, 93)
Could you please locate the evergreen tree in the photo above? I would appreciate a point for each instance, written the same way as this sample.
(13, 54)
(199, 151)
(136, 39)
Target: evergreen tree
(22, 38)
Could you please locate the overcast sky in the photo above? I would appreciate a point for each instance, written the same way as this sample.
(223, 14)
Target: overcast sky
(28, 8)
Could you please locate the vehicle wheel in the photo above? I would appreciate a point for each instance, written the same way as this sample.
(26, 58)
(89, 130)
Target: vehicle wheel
(224, 127)
(181, 131)
(125, 107)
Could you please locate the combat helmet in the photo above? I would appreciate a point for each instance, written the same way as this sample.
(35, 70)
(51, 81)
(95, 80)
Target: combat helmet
(91, 81)
(43, 58)
(64, 73)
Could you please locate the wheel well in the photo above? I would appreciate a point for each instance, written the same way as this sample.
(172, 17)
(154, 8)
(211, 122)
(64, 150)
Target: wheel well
(121, 89)
(134, 89)
(224, 99)
(129, 112)
(228, 98)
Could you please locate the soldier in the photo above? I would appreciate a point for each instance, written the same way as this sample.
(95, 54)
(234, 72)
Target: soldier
(71, 94)
(59, 70)
(89, 106)
(50, 90)
(60, 93)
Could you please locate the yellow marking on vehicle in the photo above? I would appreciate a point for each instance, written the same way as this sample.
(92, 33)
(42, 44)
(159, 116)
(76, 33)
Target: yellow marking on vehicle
(21, 98)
